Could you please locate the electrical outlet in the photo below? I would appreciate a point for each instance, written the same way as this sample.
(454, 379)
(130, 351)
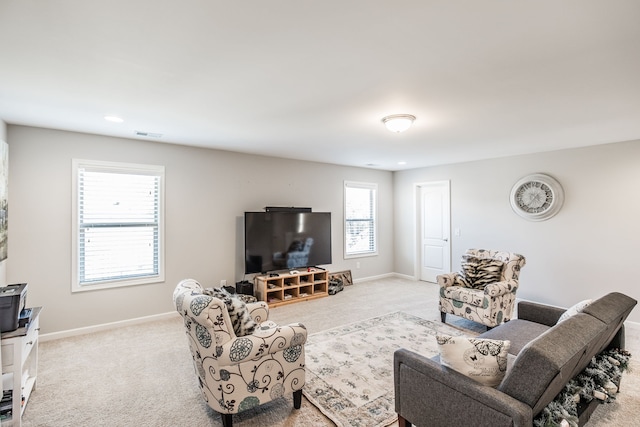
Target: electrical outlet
(223, 283)
(357, 264)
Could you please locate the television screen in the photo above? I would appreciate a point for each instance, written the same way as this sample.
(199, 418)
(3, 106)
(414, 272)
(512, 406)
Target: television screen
(286, 240)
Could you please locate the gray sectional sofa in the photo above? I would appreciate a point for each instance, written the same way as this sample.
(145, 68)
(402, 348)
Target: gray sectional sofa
(544, 356)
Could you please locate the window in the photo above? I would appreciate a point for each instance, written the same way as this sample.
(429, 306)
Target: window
(360, 207)
(117, 224)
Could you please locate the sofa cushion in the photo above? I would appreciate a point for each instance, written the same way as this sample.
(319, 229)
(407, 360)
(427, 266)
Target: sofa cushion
(483, 360)
(575, 309)
(479, 272)
(520, 332)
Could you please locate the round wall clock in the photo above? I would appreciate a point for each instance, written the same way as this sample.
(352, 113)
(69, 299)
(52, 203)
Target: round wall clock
(537, 197)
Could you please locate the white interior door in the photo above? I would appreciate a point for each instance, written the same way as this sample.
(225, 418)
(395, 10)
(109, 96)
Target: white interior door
(435, 230)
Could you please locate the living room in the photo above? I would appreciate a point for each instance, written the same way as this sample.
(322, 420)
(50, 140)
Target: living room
(585, 251)
(575, 267)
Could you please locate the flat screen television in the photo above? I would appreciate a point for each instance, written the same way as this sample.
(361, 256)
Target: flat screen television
(283, 240)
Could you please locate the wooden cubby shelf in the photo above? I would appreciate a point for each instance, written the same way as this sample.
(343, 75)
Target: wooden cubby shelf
(290, 287)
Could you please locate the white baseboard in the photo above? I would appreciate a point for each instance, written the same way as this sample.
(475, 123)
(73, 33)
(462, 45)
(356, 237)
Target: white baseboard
(405, 276)
(632, 325)
(105, 326)
(384, 276)
(367, 279)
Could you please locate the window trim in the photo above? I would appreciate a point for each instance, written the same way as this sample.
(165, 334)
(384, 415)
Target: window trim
(365, 185)
(105, 166)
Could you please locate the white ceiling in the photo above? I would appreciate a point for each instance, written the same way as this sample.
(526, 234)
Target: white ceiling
(312, 80)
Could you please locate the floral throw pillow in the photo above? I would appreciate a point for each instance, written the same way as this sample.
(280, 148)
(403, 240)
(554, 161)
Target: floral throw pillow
(479, 272)
(483, 360)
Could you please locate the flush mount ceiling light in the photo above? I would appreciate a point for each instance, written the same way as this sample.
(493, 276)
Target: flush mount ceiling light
(398, 122)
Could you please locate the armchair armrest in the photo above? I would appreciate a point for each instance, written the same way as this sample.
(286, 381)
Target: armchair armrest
(259, 311)
(539, 313)
(427, 393)
(501, 288)
(446, 280)
(263, 341)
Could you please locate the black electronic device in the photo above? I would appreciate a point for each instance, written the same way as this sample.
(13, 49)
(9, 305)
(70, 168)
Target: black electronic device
(245, 287)
(286, 209)
(13, 299)
(286, 240)
(24, 318)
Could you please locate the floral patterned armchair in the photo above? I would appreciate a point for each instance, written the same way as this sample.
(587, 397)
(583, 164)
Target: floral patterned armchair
(485, 290)
(238, 373)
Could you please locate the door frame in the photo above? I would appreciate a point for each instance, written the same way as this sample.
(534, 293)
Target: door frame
(417, 223)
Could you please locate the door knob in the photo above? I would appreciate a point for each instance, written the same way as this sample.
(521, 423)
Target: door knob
(446, 240)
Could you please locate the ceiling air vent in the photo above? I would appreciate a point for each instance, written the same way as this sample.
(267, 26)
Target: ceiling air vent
(148, 134)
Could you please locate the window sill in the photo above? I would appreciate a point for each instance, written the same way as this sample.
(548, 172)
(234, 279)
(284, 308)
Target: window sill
(361, 255)
(76, 287)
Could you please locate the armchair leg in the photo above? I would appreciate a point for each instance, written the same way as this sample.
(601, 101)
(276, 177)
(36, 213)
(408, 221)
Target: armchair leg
(297, 399)
(443, 316)
(227, 420)
(402, 422)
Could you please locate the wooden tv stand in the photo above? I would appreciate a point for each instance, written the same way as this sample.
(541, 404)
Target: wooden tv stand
(287, 288)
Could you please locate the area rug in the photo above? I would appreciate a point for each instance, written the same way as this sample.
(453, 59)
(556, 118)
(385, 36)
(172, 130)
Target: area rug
(350, 368)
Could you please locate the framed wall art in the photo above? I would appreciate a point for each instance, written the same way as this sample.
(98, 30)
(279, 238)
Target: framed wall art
(345, 276)
(4, 198)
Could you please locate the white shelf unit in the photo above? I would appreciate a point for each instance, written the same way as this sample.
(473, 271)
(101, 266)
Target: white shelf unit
(19, 351)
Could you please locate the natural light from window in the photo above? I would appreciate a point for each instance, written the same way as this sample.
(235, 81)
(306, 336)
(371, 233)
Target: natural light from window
(360, 219)
(118, 225)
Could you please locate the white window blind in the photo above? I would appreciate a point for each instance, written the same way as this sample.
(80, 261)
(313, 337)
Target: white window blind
(118, 224)
(360, 218)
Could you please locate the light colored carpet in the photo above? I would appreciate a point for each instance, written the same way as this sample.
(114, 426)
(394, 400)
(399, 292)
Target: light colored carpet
(135, 376)
(142, 375)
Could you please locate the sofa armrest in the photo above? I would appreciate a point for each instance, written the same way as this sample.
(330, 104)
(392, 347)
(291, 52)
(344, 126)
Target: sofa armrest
(263, 341)
(501, 288)
(259, 311)
(539, 313)
(446, 280)
(427, 393)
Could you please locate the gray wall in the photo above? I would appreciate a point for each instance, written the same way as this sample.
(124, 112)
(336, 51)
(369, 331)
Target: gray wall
(588, 249)
(207, 192)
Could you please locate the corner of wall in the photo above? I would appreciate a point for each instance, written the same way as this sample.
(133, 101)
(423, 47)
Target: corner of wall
(3, 264)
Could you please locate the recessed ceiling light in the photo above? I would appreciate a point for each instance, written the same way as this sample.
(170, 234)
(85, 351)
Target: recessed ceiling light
(402, 163)
(114, 119)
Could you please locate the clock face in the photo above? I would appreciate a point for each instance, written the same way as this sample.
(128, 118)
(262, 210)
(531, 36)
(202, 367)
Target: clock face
(537, 197)
(534, 197)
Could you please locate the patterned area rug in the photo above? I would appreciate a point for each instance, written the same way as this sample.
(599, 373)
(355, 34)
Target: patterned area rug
(350, 368)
